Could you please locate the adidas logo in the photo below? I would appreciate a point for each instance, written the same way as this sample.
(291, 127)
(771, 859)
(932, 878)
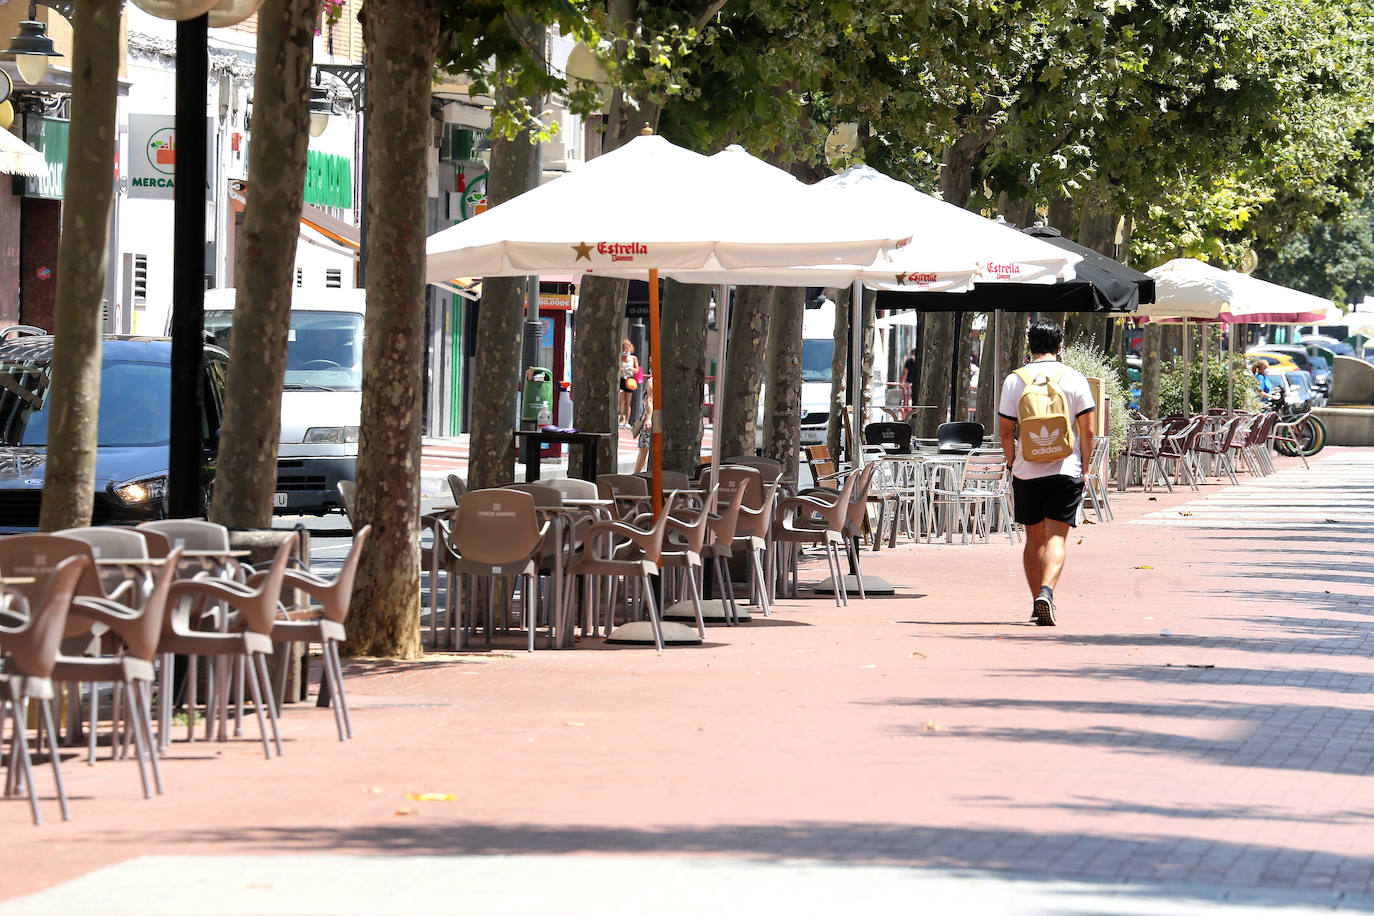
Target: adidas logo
(1044, 436)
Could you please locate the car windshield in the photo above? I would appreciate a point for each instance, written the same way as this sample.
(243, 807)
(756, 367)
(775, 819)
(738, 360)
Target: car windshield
(323, 349)
(1319, 362)
(816, 360)
(135, 403)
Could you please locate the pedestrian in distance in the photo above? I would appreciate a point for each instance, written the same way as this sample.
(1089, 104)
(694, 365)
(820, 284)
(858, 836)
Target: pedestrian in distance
(1045, 421)
(643, 428)
(909, 380)
(629, 372)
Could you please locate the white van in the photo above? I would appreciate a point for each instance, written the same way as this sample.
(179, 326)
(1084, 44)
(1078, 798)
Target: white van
(321, 402)
(818, 347)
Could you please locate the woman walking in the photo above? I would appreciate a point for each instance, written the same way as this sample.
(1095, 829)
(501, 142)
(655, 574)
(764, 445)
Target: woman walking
(629, 369)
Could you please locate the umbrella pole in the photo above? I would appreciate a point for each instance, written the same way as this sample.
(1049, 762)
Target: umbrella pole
(1231, 373)
(722, 328)
(656, 365)
(1187, 373)
(954, 368)
(856, 361)
(1206, 360)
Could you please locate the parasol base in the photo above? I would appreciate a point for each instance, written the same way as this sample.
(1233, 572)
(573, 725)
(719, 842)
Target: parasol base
(872, 586)
(641, 633)
(711, 612)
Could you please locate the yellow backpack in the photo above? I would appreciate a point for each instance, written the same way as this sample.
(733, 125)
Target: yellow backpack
(1044, 427)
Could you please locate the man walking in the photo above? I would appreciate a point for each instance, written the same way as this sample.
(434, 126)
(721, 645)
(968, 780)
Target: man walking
(1042, 406)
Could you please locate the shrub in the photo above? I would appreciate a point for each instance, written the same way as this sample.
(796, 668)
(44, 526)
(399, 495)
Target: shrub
(1087, 360)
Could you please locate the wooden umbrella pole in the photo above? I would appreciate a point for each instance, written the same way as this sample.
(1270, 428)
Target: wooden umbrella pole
(656, 367)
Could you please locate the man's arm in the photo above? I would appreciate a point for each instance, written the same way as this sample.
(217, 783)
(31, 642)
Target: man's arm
(1085, 440)
(1006, 431)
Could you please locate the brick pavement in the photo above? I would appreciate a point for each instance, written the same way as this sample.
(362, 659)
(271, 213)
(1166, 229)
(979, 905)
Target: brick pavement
(1197, 728)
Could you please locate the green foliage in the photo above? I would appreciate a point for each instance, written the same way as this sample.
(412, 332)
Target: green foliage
(1171, 386)
(1334, 259)
(1092, 363)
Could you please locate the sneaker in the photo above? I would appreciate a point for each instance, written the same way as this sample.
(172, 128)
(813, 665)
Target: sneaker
(1043, 609)
(1035, 613)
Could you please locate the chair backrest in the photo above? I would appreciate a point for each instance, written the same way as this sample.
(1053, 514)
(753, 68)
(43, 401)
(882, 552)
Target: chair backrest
(984, 472)
(337, 604)
(38, 555)
(672, 480)
(348, 495)
(693, 528)
(723, 525)
(894, 436)
(959, 436)
(159, 545)
(734, 476)
(457, 486)
(545, 496)
(191, 533)
(110, 543)
(822, 465)
(141, 635)
(32, 649)
(609, 485)
(494, 527)
(573, 487)
(770, 468)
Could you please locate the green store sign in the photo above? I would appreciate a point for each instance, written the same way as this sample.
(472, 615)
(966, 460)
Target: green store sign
(49, 137)
(328, 180)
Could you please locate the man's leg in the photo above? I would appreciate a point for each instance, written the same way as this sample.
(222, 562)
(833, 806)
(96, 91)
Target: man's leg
(1051, 553)
(1033, 556)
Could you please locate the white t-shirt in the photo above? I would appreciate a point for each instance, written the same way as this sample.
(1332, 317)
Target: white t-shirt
(1080, 401)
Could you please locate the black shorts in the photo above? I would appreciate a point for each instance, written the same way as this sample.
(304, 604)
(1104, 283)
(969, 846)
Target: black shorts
(1057, 497)
(625, 387)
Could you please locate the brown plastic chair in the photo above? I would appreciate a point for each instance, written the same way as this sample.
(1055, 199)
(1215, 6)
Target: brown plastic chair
(754, 526)
(130, 667)
(110, 542)
(601, 556)
(809, 520)
(573, 487)
(683, 549)
(30, 654)
(630, 493)
(250, 636)
(722, 527)
(497, 533)
(323, 623)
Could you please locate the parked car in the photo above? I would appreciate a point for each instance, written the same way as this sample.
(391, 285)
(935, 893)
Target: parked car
(1321, 374)
(133, 427)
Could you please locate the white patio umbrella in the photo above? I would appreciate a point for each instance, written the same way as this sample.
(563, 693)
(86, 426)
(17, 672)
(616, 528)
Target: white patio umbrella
(1190, 290)
(650, 206)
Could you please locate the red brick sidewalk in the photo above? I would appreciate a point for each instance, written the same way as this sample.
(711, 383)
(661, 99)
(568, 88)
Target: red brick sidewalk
(1200, 715)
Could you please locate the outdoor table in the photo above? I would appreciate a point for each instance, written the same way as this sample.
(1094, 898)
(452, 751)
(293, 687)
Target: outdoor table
(535, 439)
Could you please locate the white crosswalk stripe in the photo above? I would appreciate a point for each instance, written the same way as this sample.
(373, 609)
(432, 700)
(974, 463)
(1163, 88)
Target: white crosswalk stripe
(1337, 490)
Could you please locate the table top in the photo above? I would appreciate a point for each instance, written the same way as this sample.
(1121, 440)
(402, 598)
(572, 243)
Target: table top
(130, 561)
(215, 554)
(17, 580)
(578, 501)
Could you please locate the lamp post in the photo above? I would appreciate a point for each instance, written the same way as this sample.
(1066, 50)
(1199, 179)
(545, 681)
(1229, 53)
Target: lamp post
(353, 78)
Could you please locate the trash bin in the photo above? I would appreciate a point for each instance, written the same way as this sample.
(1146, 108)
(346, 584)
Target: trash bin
(536, 401)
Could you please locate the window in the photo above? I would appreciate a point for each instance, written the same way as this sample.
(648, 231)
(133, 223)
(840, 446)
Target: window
(300, 277)
(140, 279)
(333, 278)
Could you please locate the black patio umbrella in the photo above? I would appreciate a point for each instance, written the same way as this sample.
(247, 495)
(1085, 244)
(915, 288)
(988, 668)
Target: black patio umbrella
(1100, 284)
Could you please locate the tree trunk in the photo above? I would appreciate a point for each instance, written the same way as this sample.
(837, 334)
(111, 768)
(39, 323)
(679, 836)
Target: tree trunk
(839, 377)
(965, 366)
(684, 314)
(1096, 230)
(988, 380)
(782, 399)
(937, 337)
(1060, 213)
(401, 39)
(500, 324)
(744, 361)
(74, 392)
(596, 361)
(266, 265)
(1150, 354)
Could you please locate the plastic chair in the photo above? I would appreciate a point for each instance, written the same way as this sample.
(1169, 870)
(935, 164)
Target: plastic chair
(573, 487)
(323, 623)
(497, 533)
(722, 528)
(130, 667)
(635, 557)
(109, 542)
(457, 486)
(30, 654)
(894, 437)
(807, 519)
(251, 639)
(960, 436)
(348, 497)
(683, 550)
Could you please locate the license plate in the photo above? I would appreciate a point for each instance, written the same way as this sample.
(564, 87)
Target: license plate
(278, 500)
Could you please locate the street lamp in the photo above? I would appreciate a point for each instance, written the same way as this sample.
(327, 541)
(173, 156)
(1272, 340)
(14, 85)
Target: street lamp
(32, 47)
(353, 78)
